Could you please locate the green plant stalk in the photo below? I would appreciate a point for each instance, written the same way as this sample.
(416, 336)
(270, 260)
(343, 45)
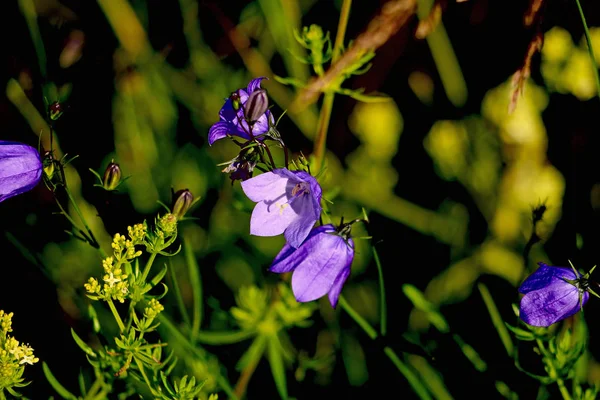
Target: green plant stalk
(94, 243)
(382, 302)
(327, 107)
(588, 39)
(179, 337)
(561, 384)
(148, 266)
(412, 379)
(496, 319)
(113, 309)
(178, 298)
(196, 284)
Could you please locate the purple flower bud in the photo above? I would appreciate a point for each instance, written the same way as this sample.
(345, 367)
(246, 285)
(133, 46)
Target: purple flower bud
(20, 169)
(112, 176)
(233, 121)
(256, 105)
(321, 264)
(183, 200)
(55, 110)
(552, 294)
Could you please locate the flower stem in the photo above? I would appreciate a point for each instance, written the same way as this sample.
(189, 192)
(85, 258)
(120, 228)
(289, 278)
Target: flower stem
(113, 309)
(93, 242)
(148, 266)
(327, 107)
(382, 306)
(590, 48)
(410, 376)
(549, 359)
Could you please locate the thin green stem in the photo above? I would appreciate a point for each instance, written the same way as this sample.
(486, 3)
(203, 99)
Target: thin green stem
(148, 266)
(369, 330)
(174, 285)
(590, 48)
(327, 107)
(92, 393)
(94, 242)
(113, 309)
(178, 337)
(410, 376)
(382, 302)
(549, 360)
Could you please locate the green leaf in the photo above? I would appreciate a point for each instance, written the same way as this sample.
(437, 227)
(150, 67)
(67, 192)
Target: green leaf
(358, 95)
(254, 353)
(158, 277)
(521, 334)
(195, 282)
(420, 302)
(290, 81)
(60, 389)
(277, 368)
(226, 337)
(82, 345)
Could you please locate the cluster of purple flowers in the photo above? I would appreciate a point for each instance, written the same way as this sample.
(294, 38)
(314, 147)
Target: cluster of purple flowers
(287, 202)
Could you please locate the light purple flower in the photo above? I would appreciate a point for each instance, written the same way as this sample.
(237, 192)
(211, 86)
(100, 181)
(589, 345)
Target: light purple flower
(321, 264)
(549, 297)
(20, 169)
(232, 118)
(289, 202)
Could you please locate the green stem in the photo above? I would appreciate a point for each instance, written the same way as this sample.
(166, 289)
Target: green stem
(382, 302)
(91, 394)
(410, 376)
(327, 107)
(590, 48)
(549, 359)
(182, 339)
(113, 309)
(94, 242)
(148, 266)
(174, 285)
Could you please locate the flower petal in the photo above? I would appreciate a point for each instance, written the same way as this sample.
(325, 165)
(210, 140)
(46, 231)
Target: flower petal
(300, 227)
(325, 256)
(549, 305)
(227, 112)
(20, 169)
(271, 218)
(287, 260)
(255, 84)
(268, 186)
(336, 289)
(544, 276)
(217, 131)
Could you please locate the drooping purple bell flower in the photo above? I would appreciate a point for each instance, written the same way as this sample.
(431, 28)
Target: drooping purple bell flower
(234, 117)
(553, 294)
(288, 202)
(321, 264)
(20, 169)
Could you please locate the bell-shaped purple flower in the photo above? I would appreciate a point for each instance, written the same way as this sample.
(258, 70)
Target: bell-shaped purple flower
(552, 294)
(20, 169)
(289, 202)
(233, 118)
(321, 264)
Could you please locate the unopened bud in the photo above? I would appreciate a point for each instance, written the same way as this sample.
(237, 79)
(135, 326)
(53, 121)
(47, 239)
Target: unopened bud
(256, 105)
(48, 163)
(183, 200)
(112, 176)
(55, 110)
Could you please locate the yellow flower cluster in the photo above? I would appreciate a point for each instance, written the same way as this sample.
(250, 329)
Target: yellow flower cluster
(116, 285)
(153, 309)
(13, 355)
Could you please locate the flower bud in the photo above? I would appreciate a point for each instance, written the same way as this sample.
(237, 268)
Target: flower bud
(256, 105)
(55, 110)
(183, 200)
(112, 177)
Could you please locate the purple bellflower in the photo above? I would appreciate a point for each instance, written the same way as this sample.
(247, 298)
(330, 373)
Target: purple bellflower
(553, 294)
(20, 169)
(321, 264)
(243, 118)
(288, 202)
